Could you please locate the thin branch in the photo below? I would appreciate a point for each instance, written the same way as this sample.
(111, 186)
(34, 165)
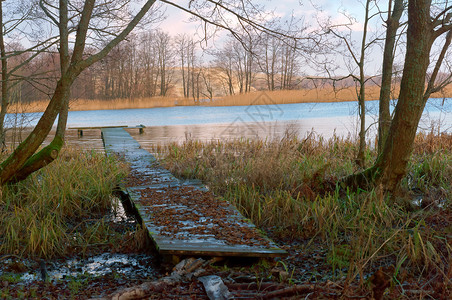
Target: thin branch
(349, 47)
(47, 12)
(82, 30)
(102, 53)
(431, 83)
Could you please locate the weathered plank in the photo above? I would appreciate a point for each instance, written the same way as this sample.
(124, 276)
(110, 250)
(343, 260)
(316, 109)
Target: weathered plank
(183, 217)
(80, 129)
(97, 127)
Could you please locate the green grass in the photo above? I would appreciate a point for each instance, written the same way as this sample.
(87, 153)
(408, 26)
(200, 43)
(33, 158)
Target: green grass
(288, 188)
(60, 208)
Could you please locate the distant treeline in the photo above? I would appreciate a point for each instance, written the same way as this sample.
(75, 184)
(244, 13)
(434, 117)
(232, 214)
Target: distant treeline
(156, 64)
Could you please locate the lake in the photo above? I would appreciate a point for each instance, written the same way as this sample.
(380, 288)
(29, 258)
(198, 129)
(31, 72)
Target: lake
(265, 121)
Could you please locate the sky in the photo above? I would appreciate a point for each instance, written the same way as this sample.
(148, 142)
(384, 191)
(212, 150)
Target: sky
(177, 21)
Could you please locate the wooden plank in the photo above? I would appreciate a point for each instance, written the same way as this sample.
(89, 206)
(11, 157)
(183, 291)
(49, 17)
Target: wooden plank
(206, 242)
(183, 217)
(141, 126)
(80, 129)
(97, 127)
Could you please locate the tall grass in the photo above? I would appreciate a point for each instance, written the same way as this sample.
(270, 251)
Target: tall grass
(324, 94)
(288, 187)
(100, 104)
(295, 96)
(253, 98)
(60, 207)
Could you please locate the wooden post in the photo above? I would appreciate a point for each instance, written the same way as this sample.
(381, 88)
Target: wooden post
(141, 128)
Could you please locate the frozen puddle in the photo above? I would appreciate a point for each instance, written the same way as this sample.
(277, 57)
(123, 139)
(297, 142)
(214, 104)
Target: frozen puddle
(129, 265)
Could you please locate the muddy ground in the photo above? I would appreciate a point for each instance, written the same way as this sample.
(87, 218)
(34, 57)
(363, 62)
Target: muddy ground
(304, 274)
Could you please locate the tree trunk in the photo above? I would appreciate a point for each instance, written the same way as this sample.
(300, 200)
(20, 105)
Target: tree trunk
(399, 143)
(39, 160)
(360, 158)
(23, 153)
(391, 164)
(22, 161)
(5, 89)
(384, 118)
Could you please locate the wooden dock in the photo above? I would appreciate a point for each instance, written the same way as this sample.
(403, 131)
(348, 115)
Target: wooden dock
(80, 129)
(183, 218)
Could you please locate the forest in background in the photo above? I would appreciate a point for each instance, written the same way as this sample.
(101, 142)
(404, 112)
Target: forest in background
(156, 64)
(156, 69)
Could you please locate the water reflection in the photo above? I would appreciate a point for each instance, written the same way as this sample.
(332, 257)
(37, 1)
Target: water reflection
(91, 139)
(436, 109)
(177, 124)
(326, 127)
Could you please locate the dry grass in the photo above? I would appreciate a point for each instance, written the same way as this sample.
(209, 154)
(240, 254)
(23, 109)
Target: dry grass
(85, 104)
(295, 96)
(61, 209)
(254, 98)
(326, 94)
(287, 187)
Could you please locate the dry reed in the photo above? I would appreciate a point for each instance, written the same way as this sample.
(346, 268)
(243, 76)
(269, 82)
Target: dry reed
(61, 208)
(97, 104)
(287, 187)
(326, 94)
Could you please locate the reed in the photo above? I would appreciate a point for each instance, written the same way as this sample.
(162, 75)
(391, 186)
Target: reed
(60, 208)
(98, 104)
(287, 187)
(313, 95)
(253, 98)
(295, 96)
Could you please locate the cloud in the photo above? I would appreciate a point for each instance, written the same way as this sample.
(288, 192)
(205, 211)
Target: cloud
(177, 22)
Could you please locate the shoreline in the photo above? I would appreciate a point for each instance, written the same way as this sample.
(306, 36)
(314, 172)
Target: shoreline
(254, 98)
(326, 95)
(117, 104)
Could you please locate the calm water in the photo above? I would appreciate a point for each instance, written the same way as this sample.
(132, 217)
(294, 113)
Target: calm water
(203, 122)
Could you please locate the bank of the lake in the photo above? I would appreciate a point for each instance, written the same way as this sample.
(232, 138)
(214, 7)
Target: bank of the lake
(337, 241)
(205, 122)
(324, 94)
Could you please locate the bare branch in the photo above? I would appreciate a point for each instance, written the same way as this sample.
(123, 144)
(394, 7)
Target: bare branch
(47, 12)
(102, 53)
(431, 84)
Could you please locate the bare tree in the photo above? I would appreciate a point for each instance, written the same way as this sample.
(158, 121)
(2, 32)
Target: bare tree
(269, 60)
(344, 45)
(392, 25)
(23, 160)
(165, 60)
(207, 77)
(224, 62)
(181, 46)
(13, 15)
(187, 53)
(289, 64)
(243, 60)
(5, 79)
(426, 24)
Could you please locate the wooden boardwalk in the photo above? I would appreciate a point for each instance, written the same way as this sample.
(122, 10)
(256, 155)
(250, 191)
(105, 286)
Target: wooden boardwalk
(183, 217)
